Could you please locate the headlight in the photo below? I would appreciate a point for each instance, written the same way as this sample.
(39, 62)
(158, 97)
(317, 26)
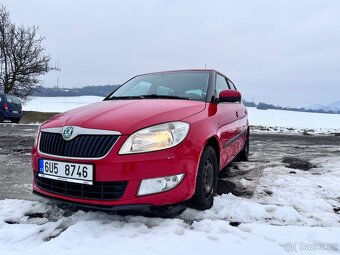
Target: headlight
(156, 138)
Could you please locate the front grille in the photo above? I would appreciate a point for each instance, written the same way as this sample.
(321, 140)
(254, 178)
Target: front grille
(82, 146)
(98, 191)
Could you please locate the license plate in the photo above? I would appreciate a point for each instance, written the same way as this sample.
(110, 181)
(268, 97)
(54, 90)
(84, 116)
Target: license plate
(15, 112)
(64, 171)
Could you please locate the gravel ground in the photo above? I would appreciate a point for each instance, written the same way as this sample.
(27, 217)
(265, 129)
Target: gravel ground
(267, 150)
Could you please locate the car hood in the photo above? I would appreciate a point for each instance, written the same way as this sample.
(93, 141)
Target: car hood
(126, 116)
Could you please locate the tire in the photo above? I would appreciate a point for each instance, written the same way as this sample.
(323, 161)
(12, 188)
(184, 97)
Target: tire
(243, 155)
(1, 118)
(206, 182)
(16, 120)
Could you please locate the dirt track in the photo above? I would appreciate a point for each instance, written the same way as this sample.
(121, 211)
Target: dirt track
(294, 151)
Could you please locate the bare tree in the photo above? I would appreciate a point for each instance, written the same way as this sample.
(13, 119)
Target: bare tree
(22, 57)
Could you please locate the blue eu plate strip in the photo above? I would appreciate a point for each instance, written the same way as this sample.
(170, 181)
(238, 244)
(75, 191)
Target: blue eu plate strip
(41, 166)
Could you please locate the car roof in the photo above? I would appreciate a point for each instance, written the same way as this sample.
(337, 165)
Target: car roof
(183, 70)
(2, 95)
(8, 95)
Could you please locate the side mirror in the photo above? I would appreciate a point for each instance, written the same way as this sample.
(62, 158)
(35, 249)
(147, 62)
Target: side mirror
(230, 96)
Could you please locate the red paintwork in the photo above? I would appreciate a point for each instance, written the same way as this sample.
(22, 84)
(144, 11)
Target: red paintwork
(221, 122)
(126, 116)
(230, 95)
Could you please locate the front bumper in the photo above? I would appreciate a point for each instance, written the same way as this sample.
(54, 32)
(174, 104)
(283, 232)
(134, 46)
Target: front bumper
(94, 207)
(11, 115)
(133, 169)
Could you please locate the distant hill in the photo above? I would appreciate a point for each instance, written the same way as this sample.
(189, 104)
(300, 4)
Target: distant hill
(102, 90)
(330, 108)
(334, 107)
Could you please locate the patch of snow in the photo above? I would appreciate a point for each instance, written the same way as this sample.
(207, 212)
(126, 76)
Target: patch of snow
(306, 198)
(58, 104)
(300, 213)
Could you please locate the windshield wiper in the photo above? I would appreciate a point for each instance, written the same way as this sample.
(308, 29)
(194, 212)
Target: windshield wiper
(165, 96)
(124, 97)
(152, 96)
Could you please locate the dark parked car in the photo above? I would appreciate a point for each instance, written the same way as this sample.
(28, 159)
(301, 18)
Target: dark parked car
(10, 108)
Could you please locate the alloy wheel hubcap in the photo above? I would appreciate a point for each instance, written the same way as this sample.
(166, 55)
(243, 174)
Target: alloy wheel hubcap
(208, 177)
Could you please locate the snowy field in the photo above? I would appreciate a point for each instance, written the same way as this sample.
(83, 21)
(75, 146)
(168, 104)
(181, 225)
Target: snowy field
(289, 121)
(263, 120)
(288, 213)
(58, 104)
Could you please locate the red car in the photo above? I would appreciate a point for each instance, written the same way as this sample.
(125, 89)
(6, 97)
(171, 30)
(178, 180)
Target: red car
(159, 139)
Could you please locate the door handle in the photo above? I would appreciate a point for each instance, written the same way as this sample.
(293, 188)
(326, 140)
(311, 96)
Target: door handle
(237, 114)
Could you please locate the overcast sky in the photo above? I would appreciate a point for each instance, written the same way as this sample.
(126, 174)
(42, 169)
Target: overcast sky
(283, 52)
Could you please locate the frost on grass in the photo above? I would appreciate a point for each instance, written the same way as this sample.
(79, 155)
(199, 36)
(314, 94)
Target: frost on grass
(285, 209)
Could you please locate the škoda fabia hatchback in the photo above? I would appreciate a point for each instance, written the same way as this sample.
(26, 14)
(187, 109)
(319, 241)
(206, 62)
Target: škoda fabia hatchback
(159, 139)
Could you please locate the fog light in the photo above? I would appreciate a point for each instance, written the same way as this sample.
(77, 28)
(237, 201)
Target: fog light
(157, 185)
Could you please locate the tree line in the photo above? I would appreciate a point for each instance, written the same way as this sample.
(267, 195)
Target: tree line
(265, 106)
(102, 91)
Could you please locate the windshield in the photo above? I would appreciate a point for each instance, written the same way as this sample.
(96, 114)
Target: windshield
(176, 85)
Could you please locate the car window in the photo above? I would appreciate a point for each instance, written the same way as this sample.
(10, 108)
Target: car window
(185, 84)
(231, 84)
(12, 99)
(8, 99)
(221, 84)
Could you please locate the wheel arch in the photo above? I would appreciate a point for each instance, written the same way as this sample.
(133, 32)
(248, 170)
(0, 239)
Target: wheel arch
(213, 142)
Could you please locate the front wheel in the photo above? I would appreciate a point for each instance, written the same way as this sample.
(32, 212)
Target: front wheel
(1, 118)
(206, 182)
